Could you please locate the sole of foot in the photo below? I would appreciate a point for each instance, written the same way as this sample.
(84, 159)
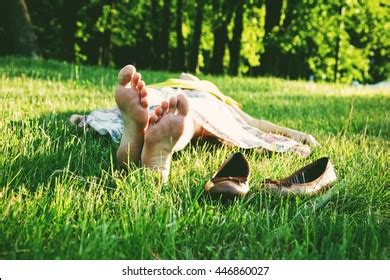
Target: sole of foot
(166, 126)
(131, 98)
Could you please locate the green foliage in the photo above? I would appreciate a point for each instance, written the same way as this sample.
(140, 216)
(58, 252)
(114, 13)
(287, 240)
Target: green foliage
(360, 27)
(251, 38)
(310, 38)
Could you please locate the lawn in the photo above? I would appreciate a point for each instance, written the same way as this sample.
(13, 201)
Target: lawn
(62, 197)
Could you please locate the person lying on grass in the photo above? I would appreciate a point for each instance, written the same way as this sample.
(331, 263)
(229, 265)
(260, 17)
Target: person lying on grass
(157, 120)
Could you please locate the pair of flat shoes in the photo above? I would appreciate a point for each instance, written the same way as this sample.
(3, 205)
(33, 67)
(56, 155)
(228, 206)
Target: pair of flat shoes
(232, 179)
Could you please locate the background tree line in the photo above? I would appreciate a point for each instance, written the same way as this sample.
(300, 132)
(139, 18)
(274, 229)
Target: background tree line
(330, 40)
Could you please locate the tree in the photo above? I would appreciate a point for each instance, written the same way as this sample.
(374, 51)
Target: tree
(289, 12)
(235, 44)
(178, 59)
(105, 26)
(272, 19)
(337, 51)
(287, 38)
(165, 30)
(194, 51)
(5, 33)
(67, 14)
(24, 40)
(223, 13)
(155, 19)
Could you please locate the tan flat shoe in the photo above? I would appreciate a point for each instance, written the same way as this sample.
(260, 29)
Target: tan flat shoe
(310, 179)
(231, 179)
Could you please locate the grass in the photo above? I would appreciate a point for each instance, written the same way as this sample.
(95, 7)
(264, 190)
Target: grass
(61, 196)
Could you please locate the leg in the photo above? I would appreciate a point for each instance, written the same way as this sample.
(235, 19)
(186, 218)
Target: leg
(170, 129)
(78, 120)
(131, 99)
(267, 126)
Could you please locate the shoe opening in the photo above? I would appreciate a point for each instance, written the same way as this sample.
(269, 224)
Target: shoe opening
(237, 166)
(310, 173)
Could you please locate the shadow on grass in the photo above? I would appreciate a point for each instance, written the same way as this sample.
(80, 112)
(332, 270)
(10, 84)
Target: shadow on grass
(39, 150)
(42, 148)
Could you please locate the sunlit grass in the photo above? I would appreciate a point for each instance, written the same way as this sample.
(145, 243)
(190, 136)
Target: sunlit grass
(62, 196)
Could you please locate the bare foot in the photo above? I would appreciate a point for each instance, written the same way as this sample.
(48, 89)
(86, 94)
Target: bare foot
(131, 98)
(305, 139)
(166, 126)
(189, 77)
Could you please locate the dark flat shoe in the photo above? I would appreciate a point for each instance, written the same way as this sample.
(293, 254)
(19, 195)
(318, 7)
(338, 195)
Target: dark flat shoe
(231, 179)
(310, 179)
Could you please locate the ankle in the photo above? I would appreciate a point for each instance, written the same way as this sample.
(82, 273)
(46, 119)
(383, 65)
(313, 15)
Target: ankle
(160, 163)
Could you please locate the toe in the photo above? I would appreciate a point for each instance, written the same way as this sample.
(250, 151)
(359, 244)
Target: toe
(165, 106)
(140, 85)
(144, 102)
(158, 111)
(182, 104)
(144, 92)
(172, 104)
(125, 74)
(153, 119)
(136, 78)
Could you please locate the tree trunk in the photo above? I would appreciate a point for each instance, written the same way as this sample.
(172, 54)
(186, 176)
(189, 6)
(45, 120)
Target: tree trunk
(179, 63)
(5, 32)
(337, 51)
(164, 41)
(220, 36)
(193, 59)
(289, 14)
(273, 10)
(24, 40)
(289, 62)
(105, 51)
(235, 45)
(68, 18)
(155, 28)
